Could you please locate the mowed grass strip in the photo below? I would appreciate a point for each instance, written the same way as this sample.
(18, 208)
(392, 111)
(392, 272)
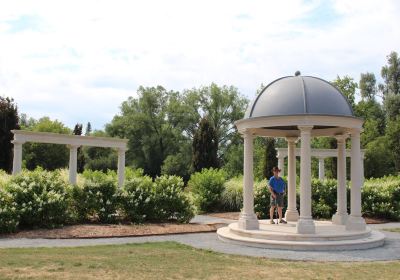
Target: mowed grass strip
(170, 260)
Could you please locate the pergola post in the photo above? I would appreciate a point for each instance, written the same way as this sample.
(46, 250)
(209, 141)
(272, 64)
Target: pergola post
(281, 164)
(291, 213)
(305, 223)
(248, 219)
(73, 163)
(321, 168)
(17, 159)
(121, 166)
(340, 217)
(355, 220)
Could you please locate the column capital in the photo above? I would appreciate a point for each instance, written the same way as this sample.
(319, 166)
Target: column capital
(341, 138)
(17, 142)
(247, 134)
(292, 139)
(73, 146)
(305, 128)
(354, 131)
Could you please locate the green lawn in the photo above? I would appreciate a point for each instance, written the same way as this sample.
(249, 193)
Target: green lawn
(392, 229)
(169, 260)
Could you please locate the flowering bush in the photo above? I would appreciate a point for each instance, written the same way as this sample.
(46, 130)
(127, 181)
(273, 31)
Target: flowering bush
(40, 198)
(96, 199)
(170, 200)
(137, 199)
(9, 217)
(207, 187)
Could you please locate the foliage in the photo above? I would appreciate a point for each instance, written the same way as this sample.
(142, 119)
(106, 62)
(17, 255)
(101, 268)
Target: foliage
(368, 86)
(393, 134)
(207, 187)
(391, 75)
(205, 146)
(47, 156)
(9, 217)
(97, 198)
(378, 160)
(80, 155)
(232, 196)
(41, 198)
(99, 158)
(178, 164)
(170, 200)
(324, 197)
(261, 199)
(233, 160)
(137, 199)
(347, 86)
(8, 121)
(270, 159)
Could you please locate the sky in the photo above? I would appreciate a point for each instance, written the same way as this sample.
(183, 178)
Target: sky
(77, 61)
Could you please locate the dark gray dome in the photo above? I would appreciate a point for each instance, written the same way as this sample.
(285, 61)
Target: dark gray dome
(299, 95)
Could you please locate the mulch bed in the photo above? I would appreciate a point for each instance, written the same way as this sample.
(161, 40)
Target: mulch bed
(107, 231)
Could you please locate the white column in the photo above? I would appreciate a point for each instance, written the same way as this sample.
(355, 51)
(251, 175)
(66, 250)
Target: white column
(17, 159)
(305, 223)
(73, 163)
(247, 219)
(121, 167)
(281, 164)
(362, 169)
(340, 217)
(355, 220)
(321, 168)
(291, 213)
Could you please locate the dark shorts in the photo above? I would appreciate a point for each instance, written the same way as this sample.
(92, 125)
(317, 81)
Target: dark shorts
(278, 201)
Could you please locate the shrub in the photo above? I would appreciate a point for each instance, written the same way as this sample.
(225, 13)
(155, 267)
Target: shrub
(9, 217)
(41, 198)
(137, 199)
(324, 198)
(207, 187)
(232, 196)
(261, 199)
(97, 198)
(170, 200)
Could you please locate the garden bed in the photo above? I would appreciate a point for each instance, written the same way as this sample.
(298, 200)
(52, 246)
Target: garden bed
(110, 230)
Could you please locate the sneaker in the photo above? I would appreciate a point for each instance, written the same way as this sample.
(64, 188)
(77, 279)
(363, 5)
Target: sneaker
(282, 222)
(272, 222)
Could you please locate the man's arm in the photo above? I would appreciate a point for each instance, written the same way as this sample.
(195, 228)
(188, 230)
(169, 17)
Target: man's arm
(271, 190)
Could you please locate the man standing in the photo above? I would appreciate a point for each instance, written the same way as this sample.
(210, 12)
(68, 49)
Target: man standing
(277, 187)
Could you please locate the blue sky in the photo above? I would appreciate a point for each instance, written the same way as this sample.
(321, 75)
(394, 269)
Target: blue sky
(76, 61)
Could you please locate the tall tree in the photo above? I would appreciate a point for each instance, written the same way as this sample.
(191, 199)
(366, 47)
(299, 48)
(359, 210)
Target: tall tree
(205, 146)
(8, 121)
(391, 75)
(81, 157)
(145, 122)
(368, 86)
(270, 159)
(88, 129)
(347, 86)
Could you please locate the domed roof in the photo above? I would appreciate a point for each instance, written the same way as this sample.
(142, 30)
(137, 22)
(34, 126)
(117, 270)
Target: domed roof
(299, 95)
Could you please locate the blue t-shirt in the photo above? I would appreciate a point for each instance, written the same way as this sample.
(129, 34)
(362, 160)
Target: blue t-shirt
(278, 185)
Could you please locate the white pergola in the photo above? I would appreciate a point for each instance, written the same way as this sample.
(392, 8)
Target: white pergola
(321, 154)
(73, 142)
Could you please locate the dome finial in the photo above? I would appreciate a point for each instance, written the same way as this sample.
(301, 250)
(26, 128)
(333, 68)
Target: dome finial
(297, 73)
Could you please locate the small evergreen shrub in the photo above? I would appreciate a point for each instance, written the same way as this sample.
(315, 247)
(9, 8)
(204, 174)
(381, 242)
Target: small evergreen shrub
(41, 198)
(207, 187)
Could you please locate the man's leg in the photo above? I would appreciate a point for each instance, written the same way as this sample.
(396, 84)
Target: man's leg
(280, 213)
(271, 213)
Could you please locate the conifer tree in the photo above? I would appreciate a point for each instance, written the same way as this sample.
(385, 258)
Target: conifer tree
(81, 157)
(205, 147)
(270, 159)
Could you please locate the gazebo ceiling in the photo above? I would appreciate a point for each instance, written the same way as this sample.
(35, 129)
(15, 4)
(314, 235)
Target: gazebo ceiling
(299, 95)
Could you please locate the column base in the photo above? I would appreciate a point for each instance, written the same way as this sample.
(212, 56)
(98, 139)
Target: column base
(248, 221)
(355, 223)
(340, 219)
(291, 215)
(305, 225)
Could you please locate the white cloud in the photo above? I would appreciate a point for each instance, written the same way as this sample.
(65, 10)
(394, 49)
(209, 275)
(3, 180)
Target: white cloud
(83, 58)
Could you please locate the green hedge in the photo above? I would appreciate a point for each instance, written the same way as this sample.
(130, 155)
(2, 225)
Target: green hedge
(44, 199)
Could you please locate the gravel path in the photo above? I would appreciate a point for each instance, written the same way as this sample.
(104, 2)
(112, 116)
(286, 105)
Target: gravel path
(210, 241)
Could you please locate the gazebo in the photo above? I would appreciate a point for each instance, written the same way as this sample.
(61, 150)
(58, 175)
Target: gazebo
(298, 108)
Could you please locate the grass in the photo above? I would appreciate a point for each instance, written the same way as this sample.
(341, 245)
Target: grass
(392, 229)
(170, 260)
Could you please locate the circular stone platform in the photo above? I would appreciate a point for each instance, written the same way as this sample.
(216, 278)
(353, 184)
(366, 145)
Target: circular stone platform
(328, 237)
